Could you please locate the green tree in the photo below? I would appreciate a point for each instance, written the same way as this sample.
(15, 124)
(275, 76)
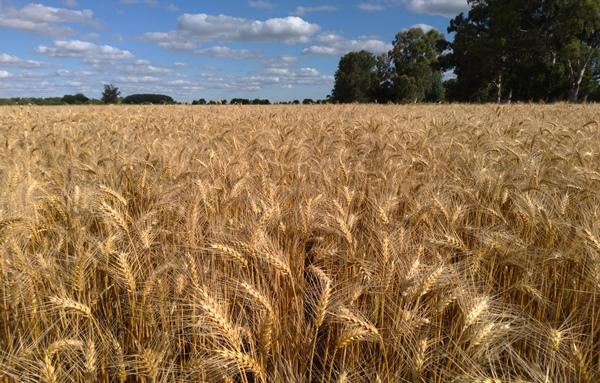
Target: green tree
(416, 74)
(574, 31)
(148, 99)
(526, 50)
(384, 89)
(480, 50)
(111, 94)
(77, 99)
(355, 78)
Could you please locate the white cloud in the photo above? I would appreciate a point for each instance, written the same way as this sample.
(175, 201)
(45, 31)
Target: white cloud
(4, 74)
(449, 8)
(329, 38)
(227, 52)
(44, 20)
(262, 4)
(130, 74)
(271, 77)
(277, 71)
(171, 40)
(193, 29)
(133, 2)
(280, 62)
(31, 74)
(424, 27)
(90, 36)
(144, 67)
(138, 79)
(332, 44)
(371, 7)
(232, 28)
(13, 61)
(70, 3)
(179, 82)
(301, 11)
(89, 52)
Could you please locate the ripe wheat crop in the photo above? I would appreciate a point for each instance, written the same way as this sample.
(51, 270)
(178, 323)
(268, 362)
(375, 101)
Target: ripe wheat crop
(300, 244)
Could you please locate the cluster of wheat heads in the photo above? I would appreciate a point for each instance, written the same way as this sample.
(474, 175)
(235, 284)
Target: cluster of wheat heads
(300, 244)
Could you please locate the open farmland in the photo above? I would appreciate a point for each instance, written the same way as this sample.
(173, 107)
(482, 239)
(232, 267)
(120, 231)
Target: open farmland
(300, 244)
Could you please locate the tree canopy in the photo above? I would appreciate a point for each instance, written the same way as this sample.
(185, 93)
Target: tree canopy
(355, 78)
(526, 50)
(77, 99)
(502, 51)
(416, 74)
(148, 99)
(111, 94)
(410, 72)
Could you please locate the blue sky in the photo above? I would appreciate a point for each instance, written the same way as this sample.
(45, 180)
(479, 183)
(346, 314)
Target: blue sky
(274, 49)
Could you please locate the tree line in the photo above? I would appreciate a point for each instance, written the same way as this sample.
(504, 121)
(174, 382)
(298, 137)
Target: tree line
(112, 95)
(502, 51)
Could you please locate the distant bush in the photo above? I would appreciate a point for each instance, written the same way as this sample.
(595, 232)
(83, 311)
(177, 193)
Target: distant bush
(76, 99)
(595, 95)
(245, 101)
(148, 99)
(31, 101)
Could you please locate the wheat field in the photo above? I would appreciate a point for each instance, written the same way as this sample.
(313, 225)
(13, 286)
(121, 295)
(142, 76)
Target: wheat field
(300, 244)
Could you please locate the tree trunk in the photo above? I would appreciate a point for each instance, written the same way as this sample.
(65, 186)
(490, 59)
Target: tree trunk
(499, 89)
(574, 92)
(577, 79)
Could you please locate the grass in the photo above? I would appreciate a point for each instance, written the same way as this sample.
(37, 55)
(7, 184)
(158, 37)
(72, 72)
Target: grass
(300, 244)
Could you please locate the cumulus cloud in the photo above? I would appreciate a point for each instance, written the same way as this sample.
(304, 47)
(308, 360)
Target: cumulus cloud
(371, 7)
(138, 79)
(179, 82)
(4, 74)
(271, 77)
(51, 83)
(424, 27)
(193, 29)
(171, 40)
(301, 11)
(89, 52)
(260, 4)
(284, 61)
(447, 8)
(332, 44)
(13, 61)
(43, 20)
(144, 67)
(227, 52)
